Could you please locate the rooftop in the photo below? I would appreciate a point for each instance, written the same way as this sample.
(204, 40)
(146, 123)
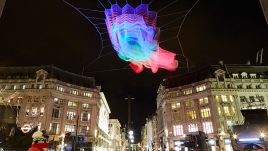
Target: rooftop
(204, 72)
(29, 72)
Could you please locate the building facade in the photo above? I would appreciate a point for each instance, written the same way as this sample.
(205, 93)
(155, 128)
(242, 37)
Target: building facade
(209, 100)
(54, 100)
(264, 5)
(148, 133)
(102, 131)
(115, 135)
(2, 5)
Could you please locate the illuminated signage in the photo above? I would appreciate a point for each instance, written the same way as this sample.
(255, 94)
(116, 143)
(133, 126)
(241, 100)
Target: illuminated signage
(26, 128)
(211, 142)
(227, 141)
(248, 139)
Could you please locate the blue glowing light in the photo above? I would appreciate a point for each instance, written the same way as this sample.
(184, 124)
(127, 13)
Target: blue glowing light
(134, 36)
(248, 139)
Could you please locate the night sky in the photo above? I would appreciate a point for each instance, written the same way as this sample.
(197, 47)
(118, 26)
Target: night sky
(35, 32)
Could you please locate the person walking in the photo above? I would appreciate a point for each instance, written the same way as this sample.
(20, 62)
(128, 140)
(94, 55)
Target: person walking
(39, 142)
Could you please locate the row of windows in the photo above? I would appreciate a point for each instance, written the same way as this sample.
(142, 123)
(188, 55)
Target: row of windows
(224, 98)
(35, 111)
(23, 86)
(41, 86)
(205, 113)
(54, 128)
(227, 110)
(203, 87)
(189, 103)
(191, 115)
(59, 101)
(74, 92)
(251, 86)
(70, 115)
(179, 131)
(188, 91)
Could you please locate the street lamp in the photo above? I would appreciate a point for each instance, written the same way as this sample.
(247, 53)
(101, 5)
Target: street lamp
(262, 135)
(130, 132)
(235, 136)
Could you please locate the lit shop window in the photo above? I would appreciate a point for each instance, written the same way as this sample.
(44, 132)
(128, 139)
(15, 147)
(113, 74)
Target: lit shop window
(85, 116)
(175, 106)
(70, 115)
(85, 105)
(200, 88)
(34, 111)
(69, 128)
(54, 128)
(224, 98)
(192, 128)
(88, 94)
(205, 113)
(226, 110)
(187, 91)
(178, 130)
(189, 103)
(208, 127)
(60, 88)
(42, 110)
(203, 101)
(72, 104)
(74, 92)
(191, 115)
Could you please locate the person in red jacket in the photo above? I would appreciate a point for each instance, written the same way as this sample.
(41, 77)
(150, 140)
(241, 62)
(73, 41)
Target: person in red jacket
(39, 142)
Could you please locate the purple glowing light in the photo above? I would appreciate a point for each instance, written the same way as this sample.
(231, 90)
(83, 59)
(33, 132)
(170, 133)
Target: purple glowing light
(134, 36)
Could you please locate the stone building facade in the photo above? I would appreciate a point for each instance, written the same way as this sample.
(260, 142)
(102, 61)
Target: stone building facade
(115, 135)
(209, 99)
(53, 99)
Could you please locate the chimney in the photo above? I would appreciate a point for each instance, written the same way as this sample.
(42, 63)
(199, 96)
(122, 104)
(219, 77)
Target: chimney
(221, 62)
(248, 62)
(261, 56)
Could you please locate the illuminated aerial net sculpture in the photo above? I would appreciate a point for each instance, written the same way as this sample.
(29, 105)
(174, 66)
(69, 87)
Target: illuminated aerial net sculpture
(134, 35)
(135, 38)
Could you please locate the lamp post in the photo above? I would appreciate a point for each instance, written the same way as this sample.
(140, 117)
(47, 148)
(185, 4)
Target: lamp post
(129, 111)
(130, 138)
(262, 135)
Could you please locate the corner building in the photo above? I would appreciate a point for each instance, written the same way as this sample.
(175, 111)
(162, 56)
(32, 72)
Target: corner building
(53, 99)
(209, 99)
